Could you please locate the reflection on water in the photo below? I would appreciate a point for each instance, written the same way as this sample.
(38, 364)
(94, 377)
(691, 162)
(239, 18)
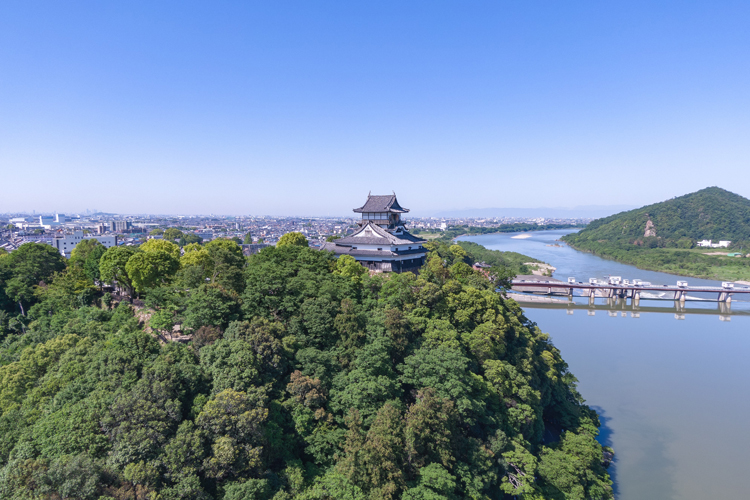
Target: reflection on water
(614, 307)
(669, 380)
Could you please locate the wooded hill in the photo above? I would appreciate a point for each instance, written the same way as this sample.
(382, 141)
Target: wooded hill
(301, 377)
(659, 236)
(712, 213)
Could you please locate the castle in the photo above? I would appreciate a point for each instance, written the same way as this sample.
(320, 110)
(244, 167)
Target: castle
(381, 242)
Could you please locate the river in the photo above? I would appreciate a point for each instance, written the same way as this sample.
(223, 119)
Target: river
(671, 388)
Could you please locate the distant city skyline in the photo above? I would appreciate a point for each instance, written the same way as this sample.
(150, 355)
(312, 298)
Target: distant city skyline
(581, 212)
(299, 108)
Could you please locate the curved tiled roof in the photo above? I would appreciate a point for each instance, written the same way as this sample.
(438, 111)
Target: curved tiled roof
(376, 235)
(378, 203)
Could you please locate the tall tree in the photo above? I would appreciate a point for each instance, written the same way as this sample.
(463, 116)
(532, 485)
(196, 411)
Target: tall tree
(150, 269)
(30, 265)
(81, 252)
(171, 234)
(91, 266)
(161, 245)
(112, 267)
(294, 238)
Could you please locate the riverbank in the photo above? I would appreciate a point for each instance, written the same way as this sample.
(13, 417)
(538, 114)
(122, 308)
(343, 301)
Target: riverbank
(636, 367)
(673, 261)
(453, 232)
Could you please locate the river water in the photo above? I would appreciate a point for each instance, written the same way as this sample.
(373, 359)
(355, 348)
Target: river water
(671, 387)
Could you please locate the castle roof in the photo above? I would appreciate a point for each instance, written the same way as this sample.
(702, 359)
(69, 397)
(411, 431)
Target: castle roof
(372, 234)
(378, 203)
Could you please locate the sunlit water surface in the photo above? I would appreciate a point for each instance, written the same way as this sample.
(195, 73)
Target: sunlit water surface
(673, 394)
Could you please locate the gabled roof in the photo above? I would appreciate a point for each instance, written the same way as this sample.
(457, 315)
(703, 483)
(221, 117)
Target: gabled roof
(372, 234)
(377, 203)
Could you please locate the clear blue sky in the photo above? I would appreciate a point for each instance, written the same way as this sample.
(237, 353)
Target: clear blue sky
(283, 107)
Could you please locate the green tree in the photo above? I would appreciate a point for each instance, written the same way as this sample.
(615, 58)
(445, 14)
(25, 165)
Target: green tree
(383, 454)
(112, 267)
(228, 264)
(347, 266)
(189, 238)
(163, 246)
(171, 234)
(81, 252)
(150, 269)
(91, 265)
(156, 232)
(294, 238)
(248, 239)
(435, 483)
(211, 305)
(233, 422)
(30, 265)
(430, 430)
(573, 469)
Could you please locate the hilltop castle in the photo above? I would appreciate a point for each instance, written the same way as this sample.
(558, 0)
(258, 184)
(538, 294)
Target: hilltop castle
(381, 242)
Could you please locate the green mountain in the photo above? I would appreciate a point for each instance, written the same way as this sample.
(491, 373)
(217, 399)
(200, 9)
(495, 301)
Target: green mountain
(712, 213)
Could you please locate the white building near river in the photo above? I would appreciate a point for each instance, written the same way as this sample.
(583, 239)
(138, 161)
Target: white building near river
(709, 244)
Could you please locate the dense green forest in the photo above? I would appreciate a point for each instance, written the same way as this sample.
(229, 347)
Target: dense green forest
(286, 375)
(663, 236)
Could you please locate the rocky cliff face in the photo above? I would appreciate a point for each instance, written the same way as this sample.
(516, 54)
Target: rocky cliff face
(650, 231)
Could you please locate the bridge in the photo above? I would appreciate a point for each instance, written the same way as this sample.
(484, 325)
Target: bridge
(615, 287)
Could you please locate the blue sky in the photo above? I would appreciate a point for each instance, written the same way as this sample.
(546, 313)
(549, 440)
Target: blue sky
(303, 107)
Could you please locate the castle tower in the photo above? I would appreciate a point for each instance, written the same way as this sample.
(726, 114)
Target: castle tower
(381, 243)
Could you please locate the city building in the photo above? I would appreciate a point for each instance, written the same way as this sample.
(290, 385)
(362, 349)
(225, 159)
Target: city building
(120, 225)
(381, 243)
(65, 244)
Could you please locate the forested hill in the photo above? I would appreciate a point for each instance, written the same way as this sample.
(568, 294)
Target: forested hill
(712, 213)
(288, 375)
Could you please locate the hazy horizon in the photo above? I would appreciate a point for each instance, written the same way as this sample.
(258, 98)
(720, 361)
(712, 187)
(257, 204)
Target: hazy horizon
(591, 211)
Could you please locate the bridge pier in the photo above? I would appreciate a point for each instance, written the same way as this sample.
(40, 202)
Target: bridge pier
(725, 297)
(619, 291)
(725, 307)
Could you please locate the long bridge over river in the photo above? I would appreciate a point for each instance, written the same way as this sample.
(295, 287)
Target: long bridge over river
(615, 287)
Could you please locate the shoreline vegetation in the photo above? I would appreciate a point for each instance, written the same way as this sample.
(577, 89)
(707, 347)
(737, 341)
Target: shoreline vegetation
(664, 236)
(692, 264)
(518, 263)
(453, 232)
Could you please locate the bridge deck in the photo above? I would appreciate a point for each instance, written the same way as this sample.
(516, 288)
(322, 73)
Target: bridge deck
(606, 286)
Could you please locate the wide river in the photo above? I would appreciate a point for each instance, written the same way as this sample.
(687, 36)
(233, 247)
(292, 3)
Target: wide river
(672, 388)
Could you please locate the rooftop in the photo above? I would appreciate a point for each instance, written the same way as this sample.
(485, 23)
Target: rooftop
(372, 234)
(381, 203)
